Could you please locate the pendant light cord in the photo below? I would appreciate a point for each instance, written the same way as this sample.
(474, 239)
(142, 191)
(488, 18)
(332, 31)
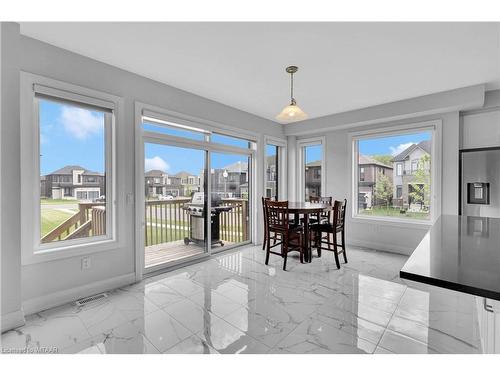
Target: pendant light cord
(291, 88)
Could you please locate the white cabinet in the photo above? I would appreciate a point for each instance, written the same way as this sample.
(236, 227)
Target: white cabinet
(488, 313)
(481, 130)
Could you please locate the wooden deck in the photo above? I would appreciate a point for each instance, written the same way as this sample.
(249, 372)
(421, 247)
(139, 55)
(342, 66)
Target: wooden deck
(171, 251)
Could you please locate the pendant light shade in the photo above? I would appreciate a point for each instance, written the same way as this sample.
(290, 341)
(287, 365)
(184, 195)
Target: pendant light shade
(292, 112)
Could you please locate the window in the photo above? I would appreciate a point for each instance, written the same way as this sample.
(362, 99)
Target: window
(399, 191)
(414, 166)
(311, 164)
(163, 127)
(395, 195)
(274, 169)
(399, 169)
(74, 140)
(230, 141)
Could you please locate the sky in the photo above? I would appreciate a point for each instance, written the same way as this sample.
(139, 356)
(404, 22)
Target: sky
(172, 159)
(391, 145)
(70, 135)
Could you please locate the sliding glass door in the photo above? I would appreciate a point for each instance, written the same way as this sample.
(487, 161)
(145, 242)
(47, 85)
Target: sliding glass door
(174, 203)
(196, 197)
(230, 192)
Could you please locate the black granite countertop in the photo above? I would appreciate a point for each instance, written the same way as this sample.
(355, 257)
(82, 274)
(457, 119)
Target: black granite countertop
(460, 253)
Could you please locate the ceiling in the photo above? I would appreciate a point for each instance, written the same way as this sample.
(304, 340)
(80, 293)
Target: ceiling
(342, 66)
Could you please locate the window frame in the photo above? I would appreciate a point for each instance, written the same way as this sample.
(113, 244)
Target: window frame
(399, 166)
(433, 126)
(33, 86)
(282, 165)
(301, 145)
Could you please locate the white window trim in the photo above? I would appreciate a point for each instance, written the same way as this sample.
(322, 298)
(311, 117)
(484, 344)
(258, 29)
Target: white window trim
(301, 144)
(282, 167)
(399, 165)
(31, 250)
(435, 126)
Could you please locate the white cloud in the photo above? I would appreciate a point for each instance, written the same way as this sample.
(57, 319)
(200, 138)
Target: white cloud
(81, 122)
(156, 163)
(400, 148)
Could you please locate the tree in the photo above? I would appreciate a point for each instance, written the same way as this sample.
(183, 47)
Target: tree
(421, 187)
(384, 159)
(383, 189)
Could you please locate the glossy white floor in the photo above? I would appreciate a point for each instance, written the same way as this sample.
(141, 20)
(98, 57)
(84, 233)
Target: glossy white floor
(235, 304)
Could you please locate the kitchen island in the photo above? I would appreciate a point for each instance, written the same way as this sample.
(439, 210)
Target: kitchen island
(462, 253)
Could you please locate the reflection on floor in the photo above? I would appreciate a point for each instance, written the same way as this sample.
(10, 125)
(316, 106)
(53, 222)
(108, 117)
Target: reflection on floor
(234, 303)
(169, 251)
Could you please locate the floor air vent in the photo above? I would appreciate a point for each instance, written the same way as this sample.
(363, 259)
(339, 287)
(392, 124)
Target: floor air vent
(86, 300)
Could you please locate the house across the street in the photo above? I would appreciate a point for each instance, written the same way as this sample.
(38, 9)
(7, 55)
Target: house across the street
(412, 175)
(369, 171)
(73, 182)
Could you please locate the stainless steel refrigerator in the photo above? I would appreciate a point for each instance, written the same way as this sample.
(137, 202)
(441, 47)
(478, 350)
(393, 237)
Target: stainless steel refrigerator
(480, 182)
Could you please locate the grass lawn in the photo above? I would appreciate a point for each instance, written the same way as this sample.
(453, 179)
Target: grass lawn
(45, 201)
(52, 218)
(393, 212)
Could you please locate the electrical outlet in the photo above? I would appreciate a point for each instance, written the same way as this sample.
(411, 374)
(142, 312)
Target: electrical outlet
(86, 264)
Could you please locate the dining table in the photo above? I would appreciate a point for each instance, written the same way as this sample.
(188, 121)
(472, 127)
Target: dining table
(306, 209)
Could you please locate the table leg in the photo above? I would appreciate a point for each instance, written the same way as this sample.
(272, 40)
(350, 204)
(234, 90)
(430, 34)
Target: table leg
(306, 239)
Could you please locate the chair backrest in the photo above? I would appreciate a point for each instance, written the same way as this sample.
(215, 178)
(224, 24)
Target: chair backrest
(324, 200)
(264, 212)
(339, 208)
(277, 215)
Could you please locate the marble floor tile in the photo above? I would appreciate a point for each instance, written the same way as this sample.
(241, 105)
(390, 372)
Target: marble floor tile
(192, 345)
(227, 339)
(353, 325)
(101, 316)
(401, 344)
(161, 295)
(435, 339)
(46, 330)
(215, 302)
(162, 330)
(381, 350)
(124, 339)
(234, 303)
(313, 336)
(190, 315)
(350, 311)
(183, 286)
(267, 323)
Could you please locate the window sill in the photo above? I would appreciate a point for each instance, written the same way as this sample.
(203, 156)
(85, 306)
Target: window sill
(380, 220)
(70, 251)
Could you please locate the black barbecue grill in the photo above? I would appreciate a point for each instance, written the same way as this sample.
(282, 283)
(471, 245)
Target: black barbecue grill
(196, 212)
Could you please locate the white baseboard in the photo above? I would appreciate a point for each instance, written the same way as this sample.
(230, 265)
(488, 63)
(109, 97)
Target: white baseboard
(48, 301)
(12, 320)
(391, 248)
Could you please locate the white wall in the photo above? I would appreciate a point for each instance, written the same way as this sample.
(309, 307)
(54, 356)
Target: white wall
(63, 279)
(11, 312)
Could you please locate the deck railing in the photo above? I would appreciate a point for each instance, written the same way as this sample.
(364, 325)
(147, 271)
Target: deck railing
(167, 221)
(90, 220)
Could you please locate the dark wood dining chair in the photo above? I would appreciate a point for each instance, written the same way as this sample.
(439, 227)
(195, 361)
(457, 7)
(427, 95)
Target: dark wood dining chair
(334, 227)
(264, 199)
(324, 216)
(291, 236)
(273, 236)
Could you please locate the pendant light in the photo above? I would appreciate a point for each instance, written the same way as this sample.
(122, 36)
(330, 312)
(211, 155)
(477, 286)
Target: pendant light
(291, 112)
